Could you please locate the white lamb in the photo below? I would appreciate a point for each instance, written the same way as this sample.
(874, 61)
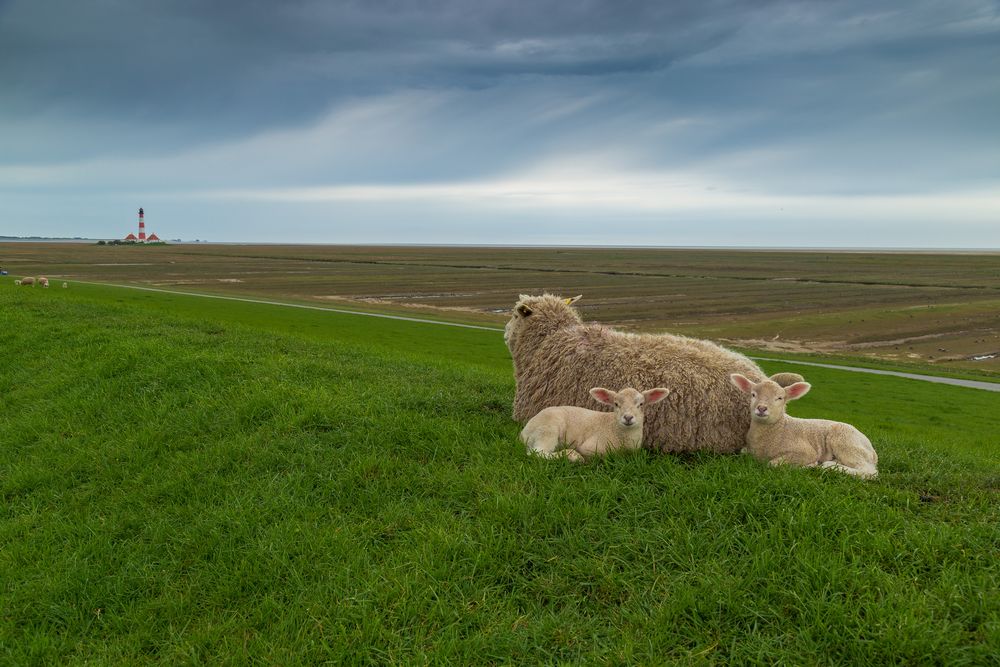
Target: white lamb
(584, 433)
(43, 281)
(778, 438)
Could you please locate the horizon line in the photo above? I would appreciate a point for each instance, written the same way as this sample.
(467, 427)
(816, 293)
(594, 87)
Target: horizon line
(790, 248)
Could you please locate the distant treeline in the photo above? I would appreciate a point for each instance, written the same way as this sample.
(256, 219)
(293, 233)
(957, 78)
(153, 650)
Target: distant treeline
(43, 238)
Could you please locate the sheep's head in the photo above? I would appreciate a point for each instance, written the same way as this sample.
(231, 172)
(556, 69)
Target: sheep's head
(543, 314)
(768, 398)
(629, 403)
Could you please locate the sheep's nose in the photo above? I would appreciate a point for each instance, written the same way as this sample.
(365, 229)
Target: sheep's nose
(761, 410)
(628, 419)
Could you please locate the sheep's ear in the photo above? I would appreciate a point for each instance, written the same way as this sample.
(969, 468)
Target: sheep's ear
(786, 379)
(797, 390)
(572, 300)
(655, 395)
(523, 310)
(603, 395)
(742, 383)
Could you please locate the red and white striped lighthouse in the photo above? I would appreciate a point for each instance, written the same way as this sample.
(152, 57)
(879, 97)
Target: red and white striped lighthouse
(142, 228)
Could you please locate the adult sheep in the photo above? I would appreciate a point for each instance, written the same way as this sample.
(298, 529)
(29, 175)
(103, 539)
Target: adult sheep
(558, 359)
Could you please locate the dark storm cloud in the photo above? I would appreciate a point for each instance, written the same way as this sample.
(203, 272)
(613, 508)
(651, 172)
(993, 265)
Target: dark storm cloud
(240, 65)
(229, 68)
(112, 53)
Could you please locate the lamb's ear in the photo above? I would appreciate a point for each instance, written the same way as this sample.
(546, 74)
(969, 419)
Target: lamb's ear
(797, 390)
(742, 383)
(603, 395)
(655, 395)
(572, 300)
(523, 310)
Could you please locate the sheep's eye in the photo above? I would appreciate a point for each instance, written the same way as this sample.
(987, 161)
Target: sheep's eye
(781, 398)
(753, 395)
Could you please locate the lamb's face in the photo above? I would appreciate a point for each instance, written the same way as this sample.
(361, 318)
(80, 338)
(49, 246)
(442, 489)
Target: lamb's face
(767, 402)
(629, 404)
(768, 398)
(628, 408)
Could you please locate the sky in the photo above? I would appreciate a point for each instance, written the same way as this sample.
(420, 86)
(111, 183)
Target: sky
(578, 122)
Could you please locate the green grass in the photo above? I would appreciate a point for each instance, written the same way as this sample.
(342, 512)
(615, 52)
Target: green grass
(195, 481)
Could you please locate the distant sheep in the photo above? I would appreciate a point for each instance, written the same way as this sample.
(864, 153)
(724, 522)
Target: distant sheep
(26, 281)
(558, 358)
(65, 285)
(585, 433)
(777, 438)
(43, 281)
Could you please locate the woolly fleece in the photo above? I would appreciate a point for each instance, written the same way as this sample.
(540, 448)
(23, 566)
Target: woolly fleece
(558, 359)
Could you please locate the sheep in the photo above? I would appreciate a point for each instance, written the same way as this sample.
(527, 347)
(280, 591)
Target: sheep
(17, 282)
(27, 281)
(65, 285)
(557, 359)
(587, 433)
(43, 281)
(777, 438)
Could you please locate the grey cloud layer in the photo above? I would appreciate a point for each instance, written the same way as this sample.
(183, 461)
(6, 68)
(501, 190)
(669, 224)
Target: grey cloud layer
(785, 97)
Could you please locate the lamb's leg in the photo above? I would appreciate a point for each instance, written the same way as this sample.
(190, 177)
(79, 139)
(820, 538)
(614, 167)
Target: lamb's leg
(542, 441)
(864, 472)
(802, 459)
(572, 455)
(592, 446)
(852, 452)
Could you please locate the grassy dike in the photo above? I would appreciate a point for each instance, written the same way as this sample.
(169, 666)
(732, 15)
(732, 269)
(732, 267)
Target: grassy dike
(188, 481)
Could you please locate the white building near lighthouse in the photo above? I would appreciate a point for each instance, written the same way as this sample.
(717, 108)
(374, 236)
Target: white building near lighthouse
(142, 238)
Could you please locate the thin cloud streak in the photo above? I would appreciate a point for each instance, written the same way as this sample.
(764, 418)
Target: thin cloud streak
(640, 193)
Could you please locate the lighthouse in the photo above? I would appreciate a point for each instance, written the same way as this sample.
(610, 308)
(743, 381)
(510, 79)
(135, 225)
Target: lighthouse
(142, 228)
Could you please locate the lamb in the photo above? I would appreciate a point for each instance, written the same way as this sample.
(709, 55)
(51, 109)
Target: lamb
(587, 433)
(778, 438)
(557, 359)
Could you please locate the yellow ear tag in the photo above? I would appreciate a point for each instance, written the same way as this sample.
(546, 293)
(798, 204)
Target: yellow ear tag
(568, 301)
